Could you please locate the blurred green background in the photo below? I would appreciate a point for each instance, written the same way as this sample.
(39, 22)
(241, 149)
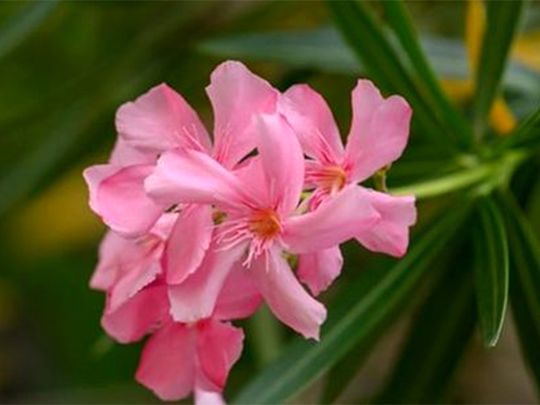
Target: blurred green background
(64, 69)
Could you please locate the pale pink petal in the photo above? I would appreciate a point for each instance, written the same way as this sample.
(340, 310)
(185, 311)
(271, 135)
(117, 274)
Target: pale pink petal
(319, 269)
(219, 346)
(121, 202)
(93, 176)
(335, 221)
(167, 364)
(287, 299)
(112, 251)
(251, 172)
(203, 397)
(390, 234)
(137, 275)
(160, 120)
(164, 225)
(313, 171)
(184, 176)
(239, 297)
(196, 297)
(379, 130)
(188, 242)
(313, 122)
(141, 315)
(282, 160)
(237, 95)
(124, 154)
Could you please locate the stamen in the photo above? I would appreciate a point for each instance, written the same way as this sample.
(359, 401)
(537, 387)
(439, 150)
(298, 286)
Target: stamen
(265, 223)
(331, 178)
(260, 229)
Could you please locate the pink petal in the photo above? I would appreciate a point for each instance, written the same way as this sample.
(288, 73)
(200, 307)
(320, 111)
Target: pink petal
(319, 269)
(282, 160)
(287, 299)
(313, 123)
(251, 173)
(140, 315)
(120, 200)
(124, 154)
(184, 176)
(188, 242)
(196, 297)
(167, 364)
(379, 130)
(164, 225)
(237, 95)
(390, 234)
(239, 297)
(335, 221)
(137, 275)
(94, 176)
(203, 397)
(219, 346)
(160, 120)
(109, 267)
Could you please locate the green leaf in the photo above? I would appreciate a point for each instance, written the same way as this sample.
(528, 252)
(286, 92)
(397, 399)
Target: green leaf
(501, 27)
(437, 339)
(367, 39)
(402, 25)
(13, 32)
(524, 282)
(357, 317)
(323, 49)
(527, 134)
(70, 136)
(491, 269)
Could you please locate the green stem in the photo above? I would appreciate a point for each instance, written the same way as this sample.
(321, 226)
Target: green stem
(489, 174)
(267, 338)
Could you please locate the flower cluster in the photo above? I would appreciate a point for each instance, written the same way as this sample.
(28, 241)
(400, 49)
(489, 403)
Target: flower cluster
(203, 229)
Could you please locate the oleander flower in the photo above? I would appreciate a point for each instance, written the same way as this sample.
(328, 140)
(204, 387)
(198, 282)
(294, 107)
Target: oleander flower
(181, 358)
(377, 137)
(259, 202)
(202, 230)
(162, 120)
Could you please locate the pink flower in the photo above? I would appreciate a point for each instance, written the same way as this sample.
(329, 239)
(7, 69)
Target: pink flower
(181, 358)
(261, 224)
(161, 120)
(202, 230)
(377, 137)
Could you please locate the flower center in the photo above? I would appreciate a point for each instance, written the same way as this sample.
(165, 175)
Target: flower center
(332, 179)
(265, 223)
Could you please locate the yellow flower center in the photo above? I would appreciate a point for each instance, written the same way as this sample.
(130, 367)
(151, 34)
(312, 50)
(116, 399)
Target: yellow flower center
(265, 223)
(333, 179)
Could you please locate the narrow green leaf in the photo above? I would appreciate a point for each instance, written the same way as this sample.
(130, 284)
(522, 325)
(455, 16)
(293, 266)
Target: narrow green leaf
(501, 26)
(438, 337)
(527, 134)
(342, 374)
(524, 282)
(448, 183)
(70, 137)
(324, 49)
(354, 318)
(402, 25)
(491, 269)
(367, 39)
(13, 32)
